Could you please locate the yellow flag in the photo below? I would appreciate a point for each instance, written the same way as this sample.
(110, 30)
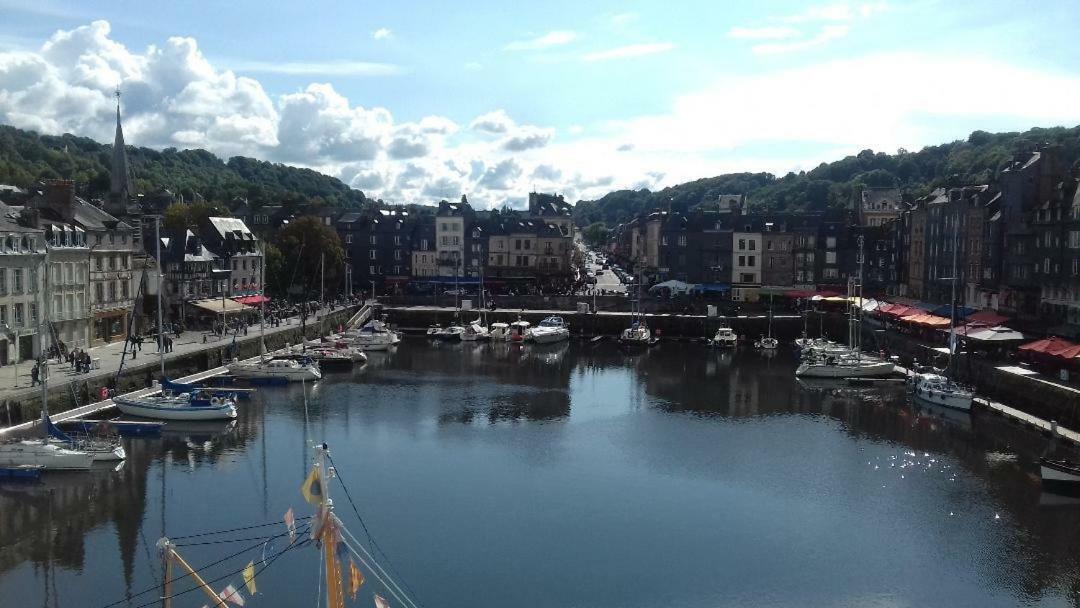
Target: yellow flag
(312, 488)
(356, 579)
(249, 577)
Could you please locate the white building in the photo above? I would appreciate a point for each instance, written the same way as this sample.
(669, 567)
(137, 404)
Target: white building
(22, 252)
(450, 242)
(746, 254)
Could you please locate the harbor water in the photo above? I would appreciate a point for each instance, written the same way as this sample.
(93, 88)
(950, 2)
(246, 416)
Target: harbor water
(495, 475)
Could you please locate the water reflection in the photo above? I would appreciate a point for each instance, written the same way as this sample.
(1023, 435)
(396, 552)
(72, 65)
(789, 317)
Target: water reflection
(509, 454)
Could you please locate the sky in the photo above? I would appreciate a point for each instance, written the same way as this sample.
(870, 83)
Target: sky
(416, 101)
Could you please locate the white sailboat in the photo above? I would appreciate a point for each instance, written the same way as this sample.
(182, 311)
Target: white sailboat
(42, 453)
(638, 334)
(850, 362)
(478, 329)
(768, 342)
(725, 337)
(939, 389)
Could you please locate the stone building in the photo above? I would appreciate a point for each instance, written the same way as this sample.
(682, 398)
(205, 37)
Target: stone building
(22, 256)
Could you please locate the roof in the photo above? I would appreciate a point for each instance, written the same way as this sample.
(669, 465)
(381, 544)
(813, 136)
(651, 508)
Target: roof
(234, 226)
(350, 217)
(93, 218)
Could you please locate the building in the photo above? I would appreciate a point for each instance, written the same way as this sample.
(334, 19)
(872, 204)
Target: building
(379, 246)
(552, 209)
(240, 252)
(22, 255)
(876, 206)
(192, 272)
(746, 261)
(778, 267)
(451, 222)
(425, 263)
(916, 252)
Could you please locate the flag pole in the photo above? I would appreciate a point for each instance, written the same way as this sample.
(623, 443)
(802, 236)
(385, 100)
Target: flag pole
(171, 555)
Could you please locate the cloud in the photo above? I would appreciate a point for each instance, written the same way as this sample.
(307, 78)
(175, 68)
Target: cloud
(318, 68)
(827, 34)
(546, 172)
(774, 32)
(382, 33)
(501, 176)
(624, 147)
(629, 51)
(527, 138)
(548, 40)
(319, 125)
(496, 122)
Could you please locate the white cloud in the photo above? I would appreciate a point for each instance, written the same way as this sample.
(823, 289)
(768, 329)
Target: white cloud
(548, 40)
(382, 33)
(501, 176)
(629, 51)
(527, 138)
(318, 68)
(772, 32)
(576, 129)
(495, 122)
(827, 34)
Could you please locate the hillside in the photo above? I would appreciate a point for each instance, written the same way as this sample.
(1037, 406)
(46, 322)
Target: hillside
(978, 159)
(26, 157)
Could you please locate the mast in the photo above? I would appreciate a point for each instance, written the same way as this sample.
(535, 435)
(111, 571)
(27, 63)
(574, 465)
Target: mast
(262, 303)
(43, 370)
(160, 295)
(322, 278)
(952, 305)
(859, 301)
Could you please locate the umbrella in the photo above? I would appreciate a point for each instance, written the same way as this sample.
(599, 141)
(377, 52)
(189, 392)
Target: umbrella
(996, 334)
(673, 285)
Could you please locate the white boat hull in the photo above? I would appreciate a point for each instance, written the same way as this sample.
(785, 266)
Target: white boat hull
(956, 401)
(36, 453)
(256, 371)
(845, 370)
(1059, 481)
(550, 337)
(173, 412)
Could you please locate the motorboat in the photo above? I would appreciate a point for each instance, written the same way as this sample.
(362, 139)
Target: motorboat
(499, 332)
(637, 334)
(519, 331)
(287, 370)
(375, 335)
(43, 453)
(167, 405)
(939, 390)
(550, 330)
(725, 337)
(1060, 476)
(475, 331)
(849, 366)
(767, 343)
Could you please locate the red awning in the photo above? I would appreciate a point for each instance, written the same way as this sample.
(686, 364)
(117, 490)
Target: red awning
(1048, 346)
(899, 310)
(926, 320)
(988, 317)
(251, 300)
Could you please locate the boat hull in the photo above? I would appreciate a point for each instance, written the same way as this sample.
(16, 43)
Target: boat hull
(286, 374)
(550, 337)
(1060, 478)
(51, 457)
(148, 410)
(839, 370)
(949, 400)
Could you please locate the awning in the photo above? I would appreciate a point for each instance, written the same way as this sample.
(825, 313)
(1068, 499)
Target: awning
(926, 320)
(1046, 346)
(945, 310)
(673, 285)
(996, 334)
(988, 317)
(219, 306)
(252, 300)
(712, 288)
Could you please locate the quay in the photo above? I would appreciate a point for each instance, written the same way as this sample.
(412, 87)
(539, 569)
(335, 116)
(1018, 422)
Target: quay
(75, 395)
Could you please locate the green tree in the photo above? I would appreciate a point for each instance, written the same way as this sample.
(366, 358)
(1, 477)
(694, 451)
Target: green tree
(595, 234)
(307, 243)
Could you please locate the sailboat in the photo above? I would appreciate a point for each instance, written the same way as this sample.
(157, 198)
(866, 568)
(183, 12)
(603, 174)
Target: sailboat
(37, 454)
(478, 329)
(768, 342)
(846, 362)
(165, 404)
(638, 334)
(939, 389)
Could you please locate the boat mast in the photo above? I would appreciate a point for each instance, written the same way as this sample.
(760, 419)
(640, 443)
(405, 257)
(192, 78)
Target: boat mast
(262, 303)
(952, 304)
(858, 302)
(160, 295)
(43, 323)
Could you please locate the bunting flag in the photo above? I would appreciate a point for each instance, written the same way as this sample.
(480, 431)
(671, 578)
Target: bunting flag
(312, 488)
(231, 595)
(380, 602)
(290, 525)
(249, 577)
(356, 579)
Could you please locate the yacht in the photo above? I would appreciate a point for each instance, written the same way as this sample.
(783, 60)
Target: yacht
(637, 334)
(939, 390)
(450, 332)
(374, 335)
(167, 405)
(725, 338)
(767, 343)
(42, 453)
(549, 331)
(847, 366)
(499, 332)
(101, 448)
(475, 331)
(275, 369)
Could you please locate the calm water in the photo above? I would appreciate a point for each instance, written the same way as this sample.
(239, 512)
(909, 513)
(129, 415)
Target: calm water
(577, 476)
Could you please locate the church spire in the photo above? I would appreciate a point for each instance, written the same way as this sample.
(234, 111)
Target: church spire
(120, 183)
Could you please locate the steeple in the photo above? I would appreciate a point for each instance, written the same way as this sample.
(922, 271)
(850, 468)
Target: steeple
(120, 184)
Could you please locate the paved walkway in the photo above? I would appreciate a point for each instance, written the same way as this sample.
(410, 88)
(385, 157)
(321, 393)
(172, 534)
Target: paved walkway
(108, 357)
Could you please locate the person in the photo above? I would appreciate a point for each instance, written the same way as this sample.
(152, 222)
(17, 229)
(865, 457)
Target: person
(34, 375)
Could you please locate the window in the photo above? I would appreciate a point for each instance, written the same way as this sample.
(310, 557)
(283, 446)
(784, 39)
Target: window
(397, 239)
(99, 292)
(830, 242)
(423, 244)
(444, 240)
(397, 254)
(125, 289)
(742, 260)
(768, 245)
(348, 239)
(1046, 265)
(97, 263)
(746, 277)
(371, 269)
(371, 254)
(517, 244)
(112, 291)
(751, 260)
(663, 240)
(17, 280)
(830, 273)
(830, 257)
(528, 244)
(742, 244)
(753, 244)
(33, 312)
(19, 309)
(3, 282)
(1076, 266)
(373, 240)
(682, 240)
(3, 313)
(444, 227)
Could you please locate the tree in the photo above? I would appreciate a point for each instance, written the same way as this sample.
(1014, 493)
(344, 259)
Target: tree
(179, 217)
(596, 234)
(277, 279)
(306, 243)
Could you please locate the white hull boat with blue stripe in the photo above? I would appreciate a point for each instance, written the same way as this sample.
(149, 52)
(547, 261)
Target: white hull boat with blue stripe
(186, 406)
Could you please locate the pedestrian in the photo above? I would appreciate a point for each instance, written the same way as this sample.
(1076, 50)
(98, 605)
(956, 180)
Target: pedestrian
(138, 341)
(34, 375)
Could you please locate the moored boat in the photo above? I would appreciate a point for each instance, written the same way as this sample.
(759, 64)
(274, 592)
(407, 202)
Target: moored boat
(550, 330)
(198, 405)
(725, 337)
(1060, 476)
(278, 369)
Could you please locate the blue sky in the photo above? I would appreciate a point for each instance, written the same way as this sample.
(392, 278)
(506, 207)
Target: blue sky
(413, 101)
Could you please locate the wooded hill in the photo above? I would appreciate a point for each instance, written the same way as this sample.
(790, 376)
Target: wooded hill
(978, 159)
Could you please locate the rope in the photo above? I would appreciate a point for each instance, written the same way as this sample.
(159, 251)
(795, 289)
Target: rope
(390, 586)
(371, 539)
(273, 523)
